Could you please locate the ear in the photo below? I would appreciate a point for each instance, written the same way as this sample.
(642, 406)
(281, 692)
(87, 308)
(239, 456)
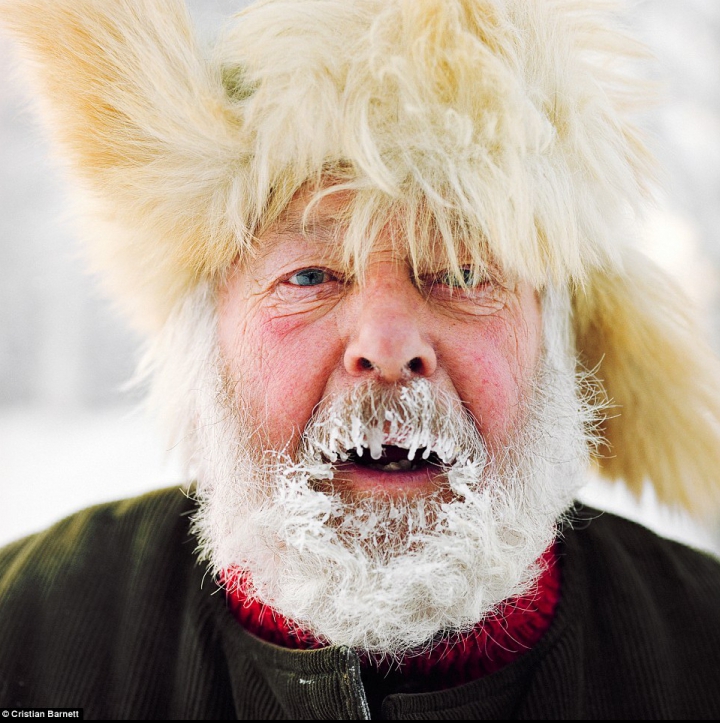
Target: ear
(663, 379)
(146, 127)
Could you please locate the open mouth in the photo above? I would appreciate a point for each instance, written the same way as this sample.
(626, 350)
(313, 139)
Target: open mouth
(395, 459)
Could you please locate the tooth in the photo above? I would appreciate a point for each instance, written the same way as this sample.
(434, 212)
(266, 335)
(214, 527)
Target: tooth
(401, 465)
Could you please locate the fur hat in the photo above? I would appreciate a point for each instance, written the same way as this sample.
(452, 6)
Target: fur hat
(502, 127)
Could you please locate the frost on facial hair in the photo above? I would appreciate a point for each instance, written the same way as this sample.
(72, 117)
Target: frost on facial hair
(387, 575)
(414, 417)
(370, 418)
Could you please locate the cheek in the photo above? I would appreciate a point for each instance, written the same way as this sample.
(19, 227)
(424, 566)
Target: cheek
(492, 373)
(491, 393)
(282, 366)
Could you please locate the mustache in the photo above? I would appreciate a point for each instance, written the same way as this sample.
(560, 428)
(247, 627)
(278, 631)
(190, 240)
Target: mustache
(415, 416)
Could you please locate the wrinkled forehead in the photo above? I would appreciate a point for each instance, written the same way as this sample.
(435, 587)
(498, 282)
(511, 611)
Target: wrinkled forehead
(348, 223)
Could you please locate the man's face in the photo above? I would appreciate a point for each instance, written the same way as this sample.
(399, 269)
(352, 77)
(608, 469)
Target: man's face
(382, 458)
(295, 329)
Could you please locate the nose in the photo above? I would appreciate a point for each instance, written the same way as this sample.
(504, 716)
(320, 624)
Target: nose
(390, 340)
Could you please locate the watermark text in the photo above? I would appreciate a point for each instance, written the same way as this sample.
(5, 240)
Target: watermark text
(72, 713)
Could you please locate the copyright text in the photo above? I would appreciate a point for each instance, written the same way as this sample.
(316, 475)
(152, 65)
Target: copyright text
(73, 713)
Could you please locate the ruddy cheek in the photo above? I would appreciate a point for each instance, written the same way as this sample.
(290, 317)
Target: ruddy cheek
(505, 359)
(492, 398)
(291, 364)
(483, 372)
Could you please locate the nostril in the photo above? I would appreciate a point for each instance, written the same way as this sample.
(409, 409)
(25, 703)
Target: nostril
(415, 365)
(365, 363)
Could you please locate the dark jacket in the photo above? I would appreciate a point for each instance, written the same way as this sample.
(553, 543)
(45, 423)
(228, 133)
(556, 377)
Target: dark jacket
(109, 611)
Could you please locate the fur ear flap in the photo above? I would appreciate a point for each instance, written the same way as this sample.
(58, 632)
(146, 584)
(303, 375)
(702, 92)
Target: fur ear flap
(663, 380)
(147, 128)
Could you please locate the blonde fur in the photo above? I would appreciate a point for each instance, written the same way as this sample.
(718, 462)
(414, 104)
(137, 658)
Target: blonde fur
(663, 380)
(501, 129)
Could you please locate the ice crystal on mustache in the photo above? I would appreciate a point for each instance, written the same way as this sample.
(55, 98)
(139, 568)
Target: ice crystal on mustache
(416, 417)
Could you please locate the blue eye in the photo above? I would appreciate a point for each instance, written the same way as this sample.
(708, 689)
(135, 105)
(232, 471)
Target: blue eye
(469, 278)
(310, 277)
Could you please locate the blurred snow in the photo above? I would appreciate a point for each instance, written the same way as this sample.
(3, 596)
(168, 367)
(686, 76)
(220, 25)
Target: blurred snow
(673, 523)
(53, 463)
(67, 438)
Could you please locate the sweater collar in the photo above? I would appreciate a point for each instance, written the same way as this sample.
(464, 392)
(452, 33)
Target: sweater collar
(513, 629)
(327, 683)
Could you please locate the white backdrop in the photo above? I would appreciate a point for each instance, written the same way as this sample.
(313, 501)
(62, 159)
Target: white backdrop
(68, 435)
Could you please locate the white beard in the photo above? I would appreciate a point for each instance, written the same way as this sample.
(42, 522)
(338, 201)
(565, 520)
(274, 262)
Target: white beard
(380, 574)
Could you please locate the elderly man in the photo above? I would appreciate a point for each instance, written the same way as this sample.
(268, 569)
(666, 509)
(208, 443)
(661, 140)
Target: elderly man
(381, 251)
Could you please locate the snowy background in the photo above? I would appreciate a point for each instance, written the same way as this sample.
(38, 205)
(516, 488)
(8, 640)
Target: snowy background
(69, 435)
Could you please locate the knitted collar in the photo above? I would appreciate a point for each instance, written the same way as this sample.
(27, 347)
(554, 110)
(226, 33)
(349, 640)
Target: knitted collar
(497, 640)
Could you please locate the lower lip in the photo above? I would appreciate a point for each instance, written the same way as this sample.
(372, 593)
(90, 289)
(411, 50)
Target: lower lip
(357, 478)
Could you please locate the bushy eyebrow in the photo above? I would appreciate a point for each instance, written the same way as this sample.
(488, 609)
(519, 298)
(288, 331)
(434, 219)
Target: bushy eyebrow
(294, 224)
(314, 237)
(289, 223)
